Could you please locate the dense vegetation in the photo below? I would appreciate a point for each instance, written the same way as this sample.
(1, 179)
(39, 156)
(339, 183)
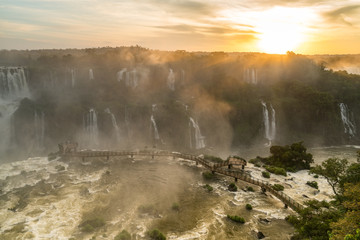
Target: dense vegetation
(291, 158)
(340, 218)
(216, 89)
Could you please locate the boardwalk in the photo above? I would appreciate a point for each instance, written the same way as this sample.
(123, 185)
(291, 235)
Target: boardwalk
(237, 174)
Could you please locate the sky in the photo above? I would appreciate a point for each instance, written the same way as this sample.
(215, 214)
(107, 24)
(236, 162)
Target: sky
(271, 26)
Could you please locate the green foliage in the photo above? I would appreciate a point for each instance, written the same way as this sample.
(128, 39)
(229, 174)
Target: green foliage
(353, 237)
(156, 235)
(314, 220)
(292, 158)
(265, 174)
(278, 187)
(147, 209)
(312, 184)
(250, 189)
(333, 169)
(316, 176)
(124, 235)
(213, 159)
(349, 223)
(352, 175)
(175, 207)
(208, 187)
(276, 170)
(91, 224)
(232, 187)
(208, 175)
(248, 206)
(236, 218)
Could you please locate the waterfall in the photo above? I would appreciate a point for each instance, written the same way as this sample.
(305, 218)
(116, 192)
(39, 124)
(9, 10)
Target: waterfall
(182, 76)
(134, 79)
(13, 84)
(114, 123)
(171, 80)
(199, 139)
(91, 74)
(130, 77)
(91, 127)
(73, 77)
(39, 128)
(251, 76)
(349, 126)
(269, 123)
(127, 122)
(153, 127)
(13, 87)
(120, 74)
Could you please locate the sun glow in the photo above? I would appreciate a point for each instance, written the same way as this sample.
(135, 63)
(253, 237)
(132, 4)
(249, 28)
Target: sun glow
(282, 29)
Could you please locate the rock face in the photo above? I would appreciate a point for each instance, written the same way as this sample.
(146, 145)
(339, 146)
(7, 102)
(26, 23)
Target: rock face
(260, 235)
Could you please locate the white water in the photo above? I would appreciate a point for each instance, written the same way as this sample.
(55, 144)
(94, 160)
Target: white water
(114, 123)
(251, 76)
(131, 78)
(13, 87)
(349, 126)
(91, 128)
(39, 128)
(73, 77)
(199, 139)
(91, 74)
(154, 129)
(171, 80)
(269, 123)
(182, 76)
(154, 133)
(120, 74)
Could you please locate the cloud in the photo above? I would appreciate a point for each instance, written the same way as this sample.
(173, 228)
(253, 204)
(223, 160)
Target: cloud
(212, 29)
(343, 14)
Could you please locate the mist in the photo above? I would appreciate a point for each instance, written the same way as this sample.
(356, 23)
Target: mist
(103, 99)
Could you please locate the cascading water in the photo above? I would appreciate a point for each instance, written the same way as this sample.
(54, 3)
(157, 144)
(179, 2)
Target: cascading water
(127, 118)
(196, 135)
(13, 87)
(134, 79)
(91, 74)
(91, 128)
(114, 123)
(39, 128)
(251, 76)
(171, 80)
(269, 123)
(182, 76)
(73, 75)
(120, 74)
(349, 126)
(153, 127)
(13, 83)
(130, 77)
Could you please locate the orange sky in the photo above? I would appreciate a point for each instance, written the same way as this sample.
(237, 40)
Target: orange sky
(274, 26)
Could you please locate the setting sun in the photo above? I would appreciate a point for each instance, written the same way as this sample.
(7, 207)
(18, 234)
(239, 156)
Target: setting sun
(282, 29)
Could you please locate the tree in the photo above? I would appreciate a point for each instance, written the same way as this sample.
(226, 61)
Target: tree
(313, 222)
(350, 222)
(333, 169)
(293, 157)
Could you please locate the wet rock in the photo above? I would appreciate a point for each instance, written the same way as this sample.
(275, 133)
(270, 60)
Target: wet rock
(260, 235)
(264, 220)
(305, 196)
